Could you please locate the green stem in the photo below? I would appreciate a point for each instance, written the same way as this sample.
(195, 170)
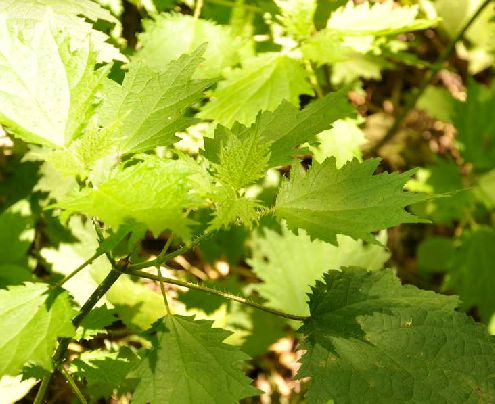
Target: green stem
(73, 385)
(63, 345)
(226, 295)
(89, 261)
(161, 259)
(437, 66)
(197, 9)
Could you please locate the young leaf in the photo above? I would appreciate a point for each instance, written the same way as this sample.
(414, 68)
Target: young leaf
(66, 17)
(47, 90)
(284, 129)
(31, 320)
(377, 19)
(371, 338)
(169, 35)
(125, 196)
(326, 201)
(288, 264)
(243, 157)
(230, 207)
(259, 85)
(471, 271)
(190, 364)
(297, 16)
(151, 103)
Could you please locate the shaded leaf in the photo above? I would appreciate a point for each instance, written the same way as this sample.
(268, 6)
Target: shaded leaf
(371, 338)
(189, 364)
(288, 264)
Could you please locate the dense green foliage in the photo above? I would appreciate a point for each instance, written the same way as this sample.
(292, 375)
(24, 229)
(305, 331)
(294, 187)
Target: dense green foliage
(191, 188)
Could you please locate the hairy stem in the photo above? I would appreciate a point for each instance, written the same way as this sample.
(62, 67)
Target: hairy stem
(73, 385)
(436, 67)
(226, 295)
(59, 355)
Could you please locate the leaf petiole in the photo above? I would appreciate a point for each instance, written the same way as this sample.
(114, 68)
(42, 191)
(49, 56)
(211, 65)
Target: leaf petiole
(207, 289)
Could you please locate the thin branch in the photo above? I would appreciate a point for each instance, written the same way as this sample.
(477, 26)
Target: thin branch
(162, 286)
(59, 354)
(226, 295)
(164, 293)
(73, 385)
(89, 261)
(197, 9)
(437, 66)
(161, 259)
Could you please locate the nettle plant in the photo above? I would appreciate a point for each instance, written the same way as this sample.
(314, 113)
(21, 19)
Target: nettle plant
(111, 168)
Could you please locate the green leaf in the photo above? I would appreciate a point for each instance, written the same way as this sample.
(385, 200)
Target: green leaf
(151, 103)
(371, 338)
(475, 126)
(264, 330)
(260, 84)
(326, 201)
(297, 16)
(326, 47)
(16, 233)
(358, 67)
(434, 254)
(31, 320)
(243, 157)
(190, 364)
(37, 9)
(95, 322)
(136, 304)
(478, 50)
(343, 142)
(471, 271)
(51, 103)
(209, 303)
(104, 371)
(169, 35)
(288, 264)
(66, 16)
(125, 196)
(231, 208)
(442, 177)
(283, 130)
(16, 237)
(376, 19)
